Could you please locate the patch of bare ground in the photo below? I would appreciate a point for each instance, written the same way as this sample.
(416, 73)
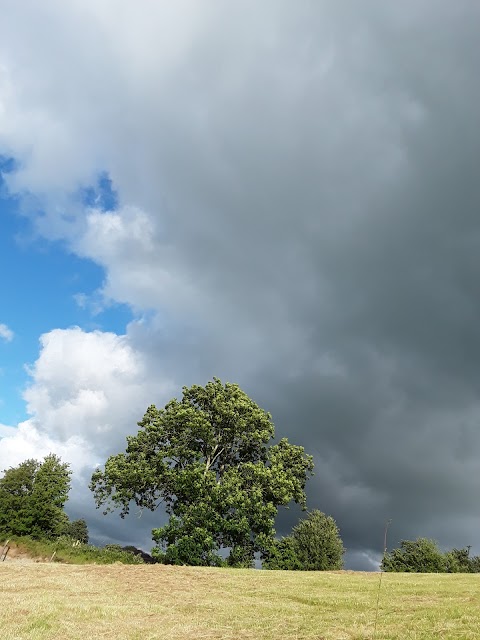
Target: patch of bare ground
(18, 554)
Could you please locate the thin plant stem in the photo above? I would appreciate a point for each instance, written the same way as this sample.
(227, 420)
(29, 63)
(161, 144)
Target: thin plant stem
(387, 524)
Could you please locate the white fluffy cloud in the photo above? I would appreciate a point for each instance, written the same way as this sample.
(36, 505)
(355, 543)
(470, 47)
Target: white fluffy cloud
(27, 441)
(6, 333)
(86, 394)
(92, 385)
(126, 243)
(6, 430)
(86, 387)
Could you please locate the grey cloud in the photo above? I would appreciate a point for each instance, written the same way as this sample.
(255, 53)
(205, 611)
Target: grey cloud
(358, 238)
(310, 170)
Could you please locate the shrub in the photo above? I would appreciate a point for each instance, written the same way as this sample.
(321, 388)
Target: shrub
(416, 556)
(314, 545)
(283, 555)
(77, 529)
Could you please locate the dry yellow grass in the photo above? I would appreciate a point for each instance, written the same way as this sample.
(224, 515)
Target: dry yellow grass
(68, 602)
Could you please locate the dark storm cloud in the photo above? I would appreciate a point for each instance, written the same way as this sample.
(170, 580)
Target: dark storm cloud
(327, 205)
(341, 244)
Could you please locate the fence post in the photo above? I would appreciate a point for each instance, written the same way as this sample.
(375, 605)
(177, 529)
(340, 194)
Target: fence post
(5, 550)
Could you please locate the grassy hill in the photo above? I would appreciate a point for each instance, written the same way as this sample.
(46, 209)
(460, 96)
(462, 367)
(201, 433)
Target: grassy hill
(144, 602)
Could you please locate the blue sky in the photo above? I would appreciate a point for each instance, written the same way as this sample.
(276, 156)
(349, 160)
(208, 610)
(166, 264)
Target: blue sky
(39, 286)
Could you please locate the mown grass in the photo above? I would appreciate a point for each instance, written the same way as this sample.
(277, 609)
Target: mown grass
(145, 602)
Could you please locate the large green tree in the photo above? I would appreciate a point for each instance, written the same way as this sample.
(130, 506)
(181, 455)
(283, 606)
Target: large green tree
(209, 460)
(32, 497)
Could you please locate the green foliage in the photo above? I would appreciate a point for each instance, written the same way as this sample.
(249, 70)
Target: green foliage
(314, 545)
(32, 497)
(207, 458)
(458, 561)
(146, 557)
(77, 530)
(423, 556)
(416, 556)
(318, 543)
(181, 542)
(474, 564)
(16, 488)
(67, 550)
(241, 557)
(282, 554)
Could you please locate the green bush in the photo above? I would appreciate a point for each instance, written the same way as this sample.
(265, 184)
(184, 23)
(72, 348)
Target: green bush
(283, 555)
(76, 529)
(314, 545)
(416, 556)
(423, 556)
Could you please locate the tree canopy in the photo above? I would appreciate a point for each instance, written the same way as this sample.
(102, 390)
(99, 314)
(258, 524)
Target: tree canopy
(208, 459)
(314, 545)
(32, 497)
(77, 530)
(424, 556)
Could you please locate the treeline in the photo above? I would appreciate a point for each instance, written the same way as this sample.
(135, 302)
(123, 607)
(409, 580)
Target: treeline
(209, 459)
(32, 499)
(424, 556)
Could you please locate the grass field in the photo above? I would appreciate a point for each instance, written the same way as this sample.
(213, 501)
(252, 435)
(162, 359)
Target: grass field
(69, 602)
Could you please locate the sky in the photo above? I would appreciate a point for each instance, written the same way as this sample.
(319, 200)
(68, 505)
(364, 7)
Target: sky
(282, 194)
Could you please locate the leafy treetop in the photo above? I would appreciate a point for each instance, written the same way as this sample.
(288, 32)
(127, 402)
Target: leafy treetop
(32, 497)
(314, 545)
